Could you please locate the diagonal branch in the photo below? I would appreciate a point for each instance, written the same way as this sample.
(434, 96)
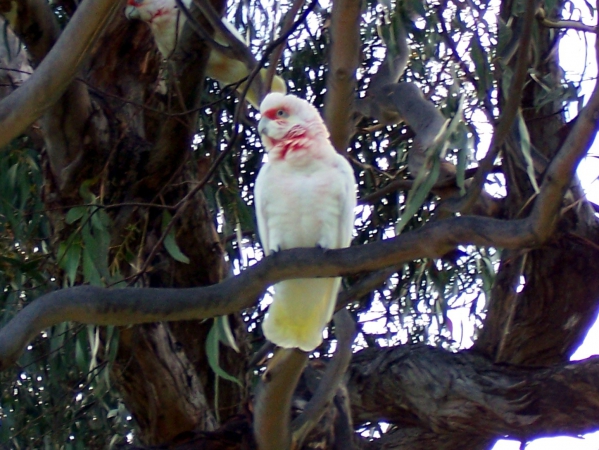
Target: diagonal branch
(57, 70)
(278, 51)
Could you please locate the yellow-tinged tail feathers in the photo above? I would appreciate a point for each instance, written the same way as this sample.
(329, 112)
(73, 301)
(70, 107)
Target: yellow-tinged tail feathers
(300, 311)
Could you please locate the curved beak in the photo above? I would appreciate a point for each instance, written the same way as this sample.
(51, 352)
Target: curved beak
(263, 126)
(131, 12)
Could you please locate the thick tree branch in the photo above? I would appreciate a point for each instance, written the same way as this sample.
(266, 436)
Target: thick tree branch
(343, 63)
(57, 70)
(272, 408)
(471, 395)
(87, 304)
(447, 401)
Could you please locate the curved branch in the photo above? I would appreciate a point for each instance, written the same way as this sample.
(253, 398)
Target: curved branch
(272, 408)
(57, 70)
(87, 304)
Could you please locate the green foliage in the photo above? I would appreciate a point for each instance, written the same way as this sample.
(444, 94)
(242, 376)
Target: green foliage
(60, 387)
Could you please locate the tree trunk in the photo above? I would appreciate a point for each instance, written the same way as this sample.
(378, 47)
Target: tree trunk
(547, 320)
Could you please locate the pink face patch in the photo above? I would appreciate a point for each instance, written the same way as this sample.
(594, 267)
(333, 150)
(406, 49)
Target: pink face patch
(160, 12)
(275, 113)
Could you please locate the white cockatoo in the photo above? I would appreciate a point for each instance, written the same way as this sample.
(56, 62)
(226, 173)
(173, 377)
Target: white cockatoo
(166, 22)
(305, 197)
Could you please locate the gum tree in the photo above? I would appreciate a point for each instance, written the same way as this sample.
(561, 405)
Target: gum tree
(131, 269)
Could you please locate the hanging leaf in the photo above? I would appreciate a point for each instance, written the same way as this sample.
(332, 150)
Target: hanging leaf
(525, 147)
(212, 351)
(95, 256)
(69, 256)
(225, 334)
(169, 241)
(481, 66)
(90, 272)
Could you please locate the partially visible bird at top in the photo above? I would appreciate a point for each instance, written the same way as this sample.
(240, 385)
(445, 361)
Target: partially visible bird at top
(166, 22)
(305, 196)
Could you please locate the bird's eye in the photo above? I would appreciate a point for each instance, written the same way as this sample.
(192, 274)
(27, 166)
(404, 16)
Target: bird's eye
(282, 113)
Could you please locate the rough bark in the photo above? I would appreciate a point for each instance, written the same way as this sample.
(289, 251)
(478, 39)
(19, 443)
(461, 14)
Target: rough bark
(466, 393)
(442, 400)
(160, 386)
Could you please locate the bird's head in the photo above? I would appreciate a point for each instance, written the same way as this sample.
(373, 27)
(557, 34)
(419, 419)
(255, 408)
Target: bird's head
(289, 125)
(138, 9)
(150, 10)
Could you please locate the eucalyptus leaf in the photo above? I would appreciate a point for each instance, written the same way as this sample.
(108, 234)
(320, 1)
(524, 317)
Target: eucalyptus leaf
(169, 241)
(212, 351)
(225, 334)
(525, 147)
(75, 213)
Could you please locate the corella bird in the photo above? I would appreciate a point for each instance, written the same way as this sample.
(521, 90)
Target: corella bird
(305, 197)
(166, 22)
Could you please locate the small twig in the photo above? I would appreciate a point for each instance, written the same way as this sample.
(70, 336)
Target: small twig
(364, 286)
(396, 185)
(570, 24)
(9, 69)
(584, 240)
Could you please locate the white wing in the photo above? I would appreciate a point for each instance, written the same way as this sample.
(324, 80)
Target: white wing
(260, 198)
(348, 203)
